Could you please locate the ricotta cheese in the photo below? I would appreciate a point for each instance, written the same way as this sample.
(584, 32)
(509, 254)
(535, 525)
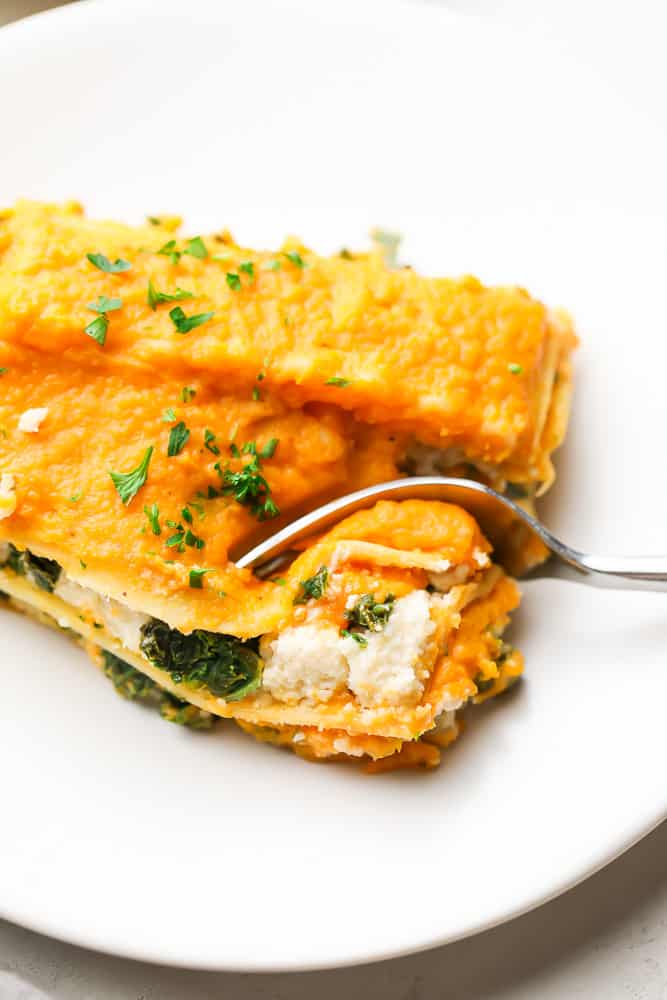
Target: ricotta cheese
(121, 622)
(7, 495)
(306, 662)
(384, 672)
(31, 420)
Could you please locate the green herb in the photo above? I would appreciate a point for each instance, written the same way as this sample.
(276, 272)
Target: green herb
(229, 668)
(97, 329)
(269, 449)
(168, 416)
(209, 442)
(340, 382)
(169, 250)
(185, 323)
(155, 298)
(129, 683)
(104, 264)
(295, 258)
(314, 587)
(255, 395)
(483, 683)
(248, 268)
(186, 515)
(199, 507)
(233, 280)
(515, 369)
(261, 376)
(388, 244)
(153, 515)
(272, 265)
(183, 536)
(75, 498)
(248, 486)
(345, 254)
(370, 614)
(280, 580)
(154, 220)
(357, 636)
(128, 484)
(195, 248)
(178, 438)
(82, 564)
(105, 305)
(196, 578)
(3, 371)
(187, 393)
(183, 714)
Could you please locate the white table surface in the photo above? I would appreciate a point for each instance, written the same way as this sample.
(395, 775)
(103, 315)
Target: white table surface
(605, 939)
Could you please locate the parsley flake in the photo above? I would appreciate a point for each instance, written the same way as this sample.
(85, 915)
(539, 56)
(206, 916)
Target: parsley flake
(196, 578)
(295, 258)
(153, 515)
(313, 587)
(187, 393)
(255, 395)
(3, 371)
(196, 248)
(269, 448)
(169, 250)
(82, 564)
(178, 438)
(75, 498)
(272, 265)
(248, 486)
(169, 416)
(185, 323)
(341, 383)
(128, 484)
(155, 298)
(97, 329)
(357, 636)
(233, 280)
(104, 264)
(105, 305)
(248, 268)
(515, 369)
(209, 442)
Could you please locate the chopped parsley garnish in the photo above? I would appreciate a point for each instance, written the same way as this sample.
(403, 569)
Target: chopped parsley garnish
(169, 416)
(233, 280)
(75, 498)
(185, 323)
(183, 536)
(105, 305)
(3, 371)
(260, 376)
(155, 298)
(82, 564)
(279, 580)
(187, 393)
(154, 220)
(153, 515)
(104, 264)
(269, 449)
(367, 613)
(196, 578)
(196, 248)
(515, 369)
(272, 265)
(178, 438)
(340, 382)
(209, 442)
(248, 268)
(97, 329)
(294, 257)
(357, 636)
(314, 587)
(255, 395)
(169, 250)
(248, 486)
(128, 484)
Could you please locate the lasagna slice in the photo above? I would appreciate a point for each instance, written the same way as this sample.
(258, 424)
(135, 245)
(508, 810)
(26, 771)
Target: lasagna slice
(381, 632)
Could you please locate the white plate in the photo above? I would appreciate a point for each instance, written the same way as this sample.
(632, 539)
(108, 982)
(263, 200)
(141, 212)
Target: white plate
(492, 154)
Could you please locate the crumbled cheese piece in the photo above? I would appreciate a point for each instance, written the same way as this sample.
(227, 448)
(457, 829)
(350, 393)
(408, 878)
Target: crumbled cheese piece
(343, 744)
(7, 495)
(480, 558)
(298, 737)
(31, 420)
(122, 623)
(384, 671)
(304, 662)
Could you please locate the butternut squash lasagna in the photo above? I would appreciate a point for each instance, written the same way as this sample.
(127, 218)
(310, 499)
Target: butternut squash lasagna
(166, 401)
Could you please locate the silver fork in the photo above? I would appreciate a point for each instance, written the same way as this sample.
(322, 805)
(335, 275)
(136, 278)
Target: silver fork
(616, 572)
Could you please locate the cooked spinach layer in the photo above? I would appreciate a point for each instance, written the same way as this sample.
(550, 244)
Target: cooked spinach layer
(42, 572)
(133, 685)
(228, 667)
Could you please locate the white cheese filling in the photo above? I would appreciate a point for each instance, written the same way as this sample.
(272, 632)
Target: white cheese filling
(31, 420)
(119, 620)
(312, 662)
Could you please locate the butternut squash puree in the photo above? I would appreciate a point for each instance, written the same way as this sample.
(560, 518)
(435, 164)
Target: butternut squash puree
(432, 357)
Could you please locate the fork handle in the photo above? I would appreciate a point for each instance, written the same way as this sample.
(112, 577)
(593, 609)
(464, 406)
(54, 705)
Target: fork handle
(610, 572)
